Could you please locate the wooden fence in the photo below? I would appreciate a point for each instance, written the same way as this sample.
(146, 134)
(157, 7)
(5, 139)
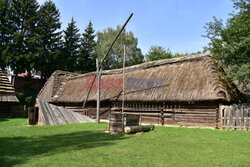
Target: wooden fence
(235, 117)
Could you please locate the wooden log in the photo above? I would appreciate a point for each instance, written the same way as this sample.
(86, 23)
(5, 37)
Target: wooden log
(139, 128)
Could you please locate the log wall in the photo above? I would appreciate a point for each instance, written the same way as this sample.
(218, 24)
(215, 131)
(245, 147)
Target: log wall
(90, 111)
(204, 114)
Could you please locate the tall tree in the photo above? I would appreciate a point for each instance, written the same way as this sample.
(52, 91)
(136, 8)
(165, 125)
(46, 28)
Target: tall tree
(23, 47)
(114, 60)
(71, 48)
(5, 26)
(50, 41)
(158, 53)
(87, 59)
(230, 43)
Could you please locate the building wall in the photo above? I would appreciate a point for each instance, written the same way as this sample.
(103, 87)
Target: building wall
(20, 82)
(203, 114)
(5, 110)
(179, 114)
(184, 117)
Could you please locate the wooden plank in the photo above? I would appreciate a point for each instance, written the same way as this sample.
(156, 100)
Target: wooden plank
(44, 115)
(236, 116)
(230, 119)
(53, 115)
(225, 118)
(248, 117)
(156, 108)
(242, 117)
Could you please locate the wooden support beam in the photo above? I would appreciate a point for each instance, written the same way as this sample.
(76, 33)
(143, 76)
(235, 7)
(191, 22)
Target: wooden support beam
(106, 55)
(98, 73)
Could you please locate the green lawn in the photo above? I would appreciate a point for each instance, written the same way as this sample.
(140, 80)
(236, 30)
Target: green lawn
(88, 145)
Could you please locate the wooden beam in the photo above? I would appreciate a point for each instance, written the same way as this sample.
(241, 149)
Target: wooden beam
(106, 55)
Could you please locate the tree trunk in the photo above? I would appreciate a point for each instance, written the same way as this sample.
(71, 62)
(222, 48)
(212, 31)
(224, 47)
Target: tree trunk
(139, 128)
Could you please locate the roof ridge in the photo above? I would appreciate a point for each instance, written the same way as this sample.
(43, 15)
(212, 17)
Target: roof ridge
(146, 65)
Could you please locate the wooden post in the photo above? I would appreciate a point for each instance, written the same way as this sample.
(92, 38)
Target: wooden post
(236, 117)
(123, 93)
(225, 118)
(220, 115)
(247, 117)
(106, 55)
(162, 117)
(109, 116)
(98, 93)
(217, 117)
(232, 115)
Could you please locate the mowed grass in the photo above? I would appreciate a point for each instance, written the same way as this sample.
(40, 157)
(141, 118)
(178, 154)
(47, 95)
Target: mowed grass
(89, 145)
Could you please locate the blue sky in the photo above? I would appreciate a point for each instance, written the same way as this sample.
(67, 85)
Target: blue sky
(174, 24)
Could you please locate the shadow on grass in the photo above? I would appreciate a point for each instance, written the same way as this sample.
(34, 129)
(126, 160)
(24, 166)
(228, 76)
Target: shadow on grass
(17, 150)
(3, 119)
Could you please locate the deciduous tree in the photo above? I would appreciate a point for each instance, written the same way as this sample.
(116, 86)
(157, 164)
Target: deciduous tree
(230, 43)
(158, 53)
(115, 59)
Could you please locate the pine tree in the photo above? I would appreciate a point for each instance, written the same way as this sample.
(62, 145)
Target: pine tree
(5, 26)
(23, 47)
(71, 47)
(87, 59)
(50, 42)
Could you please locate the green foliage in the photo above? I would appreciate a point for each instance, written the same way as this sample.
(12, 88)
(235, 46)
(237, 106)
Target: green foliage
(186, 54)
(21, 50)
(87, 58)
(115, 59)
(158, 53)
(71, 47)
(50, 39)
(30, 36)
(5, 30)
(230, 43)
(28, 95)
(89, 145)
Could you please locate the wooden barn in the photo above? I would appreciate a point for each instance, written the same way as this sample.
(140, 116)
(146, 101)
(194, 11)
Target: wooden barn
(185, 91)
(7, 96)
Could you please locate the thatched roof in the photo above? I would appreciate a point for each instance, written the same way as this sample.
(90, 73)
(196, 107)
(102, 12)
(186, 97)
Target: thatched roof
(7, 92)
(53, 84)
(184, 79)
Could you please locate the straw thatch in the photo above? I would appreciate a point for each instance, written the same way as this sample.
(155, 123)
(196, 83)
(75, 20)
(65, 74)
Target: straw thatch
(185, 79)
(52, 85)
(7, 92)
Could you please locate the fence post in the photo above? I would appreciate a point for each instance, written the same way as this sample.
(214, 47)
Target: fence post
(247, 121)
(236, 117)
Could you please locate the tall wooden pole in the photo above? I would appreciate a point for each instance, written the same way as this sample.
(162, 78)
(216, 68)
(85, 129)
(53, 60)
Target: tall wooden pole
(98, 93)
(123, 92)
(106, 55)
